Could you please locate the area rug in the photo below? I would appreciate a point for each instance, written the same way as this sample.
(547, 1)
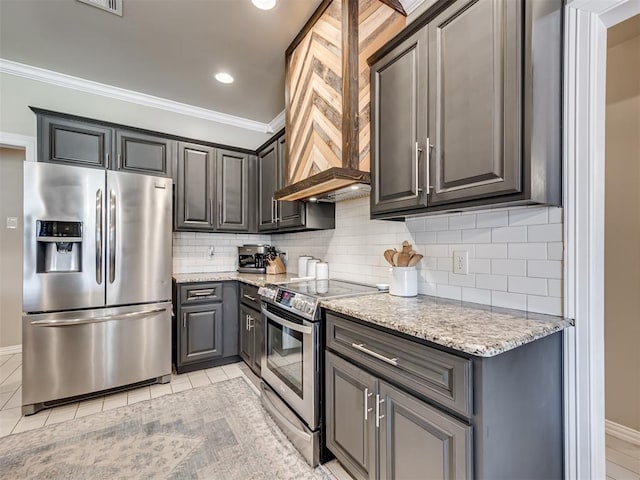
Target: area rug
(215, 432)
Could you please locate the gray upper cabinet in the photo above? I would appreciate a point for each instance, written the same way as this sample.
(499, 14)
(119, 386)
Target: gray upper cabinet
(233, 191)
(466, 111)
(73, 142)
(289, 214)
(475, 78)
(141, 153)
(195, 188)
(399, 125)
(267, 185)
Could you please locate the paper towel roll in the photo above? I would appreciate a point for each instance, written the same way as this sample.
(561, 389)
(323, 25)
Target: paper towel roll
(311, 267)
(302, 265)
(322, 271)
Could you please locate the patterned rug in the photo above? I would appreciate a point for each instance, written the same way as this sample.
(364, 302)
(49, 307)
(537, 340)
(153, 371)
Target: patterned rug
(215, 432)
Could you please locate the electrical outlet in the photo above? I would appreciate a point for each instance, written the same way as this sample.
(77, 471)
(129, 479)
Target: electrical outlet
(212, 251)
(461, 262)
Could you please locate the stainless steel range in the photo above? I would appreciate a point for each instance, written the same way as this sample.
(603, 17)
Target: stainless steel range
(292, 358)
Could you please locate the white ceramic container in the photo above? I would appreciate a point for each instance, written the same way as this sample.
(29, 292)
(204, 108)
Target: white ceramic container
(302, 265)
(311, 267)
(322, 271)
(403, 281)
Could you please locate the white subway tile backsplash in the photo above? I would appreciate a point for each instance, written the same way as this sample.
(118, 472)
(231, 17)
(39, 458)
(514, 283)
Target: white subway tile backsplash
(509, 300)
(545, 233)
(509, 234)
(513, 253)
(533, 251)
(545, 268)
(533, 286)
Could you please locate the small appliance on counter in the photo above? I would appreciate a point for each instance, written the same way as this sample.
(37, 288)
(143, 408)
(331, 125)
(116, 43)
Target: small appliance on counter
(252, 258)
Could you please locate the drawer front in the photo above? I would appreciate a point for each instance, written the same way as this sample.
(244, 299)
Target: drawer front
(249, 296)
(200, 292)
(437, 375)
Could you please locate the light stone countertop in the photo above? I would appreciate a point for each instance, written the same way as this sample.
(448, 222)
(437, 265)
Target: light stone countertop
(471, 328)
(256, 279)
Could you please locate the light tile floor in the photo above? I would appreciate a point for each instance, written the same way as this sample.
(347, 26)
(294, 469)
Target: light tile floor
(12, 421)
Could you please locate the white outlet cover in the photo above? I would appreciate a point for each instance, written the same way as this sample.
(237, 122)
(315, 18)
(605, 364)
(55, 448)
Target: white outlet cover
(12, 222)
(461, 262)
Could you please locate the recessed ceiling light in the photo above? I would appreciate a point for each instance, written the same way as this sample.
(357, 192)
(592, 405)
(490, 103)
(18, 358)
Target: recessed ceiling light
(313, 199)
(264, 4)
(223, 77)
(355, 187)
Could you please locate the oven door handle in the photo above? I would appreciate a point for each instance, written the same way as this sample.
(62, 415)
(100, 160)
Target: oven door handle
(286, 323)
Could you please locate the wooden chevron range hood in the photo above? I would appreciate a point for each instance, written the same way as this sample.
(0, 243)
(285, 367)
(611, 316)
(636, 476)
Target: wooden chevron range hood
(327, 95)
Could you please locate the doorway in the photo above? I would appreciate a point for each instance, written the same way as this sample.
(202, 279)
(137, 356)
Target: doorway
(621, 256)
(11, 178)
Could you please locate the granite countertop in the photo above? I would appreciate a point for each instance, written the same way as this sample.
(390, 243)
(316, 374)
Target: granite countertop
(475, 329)
(256, 279)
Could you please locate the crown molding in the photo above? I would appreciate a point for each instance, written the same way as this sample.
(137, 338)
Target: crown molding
(410, 5)
(88, 86)
(278, 122)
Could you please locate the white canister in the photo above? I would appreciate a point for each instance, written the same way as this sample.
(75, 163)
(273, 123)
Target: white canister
(311, 267)
(322, 271)
(302, 265)
(403, 281)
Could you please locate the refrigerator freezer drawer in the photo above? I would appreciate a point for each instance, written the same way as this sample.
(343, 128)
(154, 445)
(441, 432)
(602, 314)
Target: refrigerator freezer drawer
(81, 352)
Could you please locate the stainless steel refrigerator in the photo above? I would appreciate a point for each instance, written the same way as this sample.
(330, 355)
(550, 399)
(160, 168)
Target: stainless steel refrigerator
(96, 282)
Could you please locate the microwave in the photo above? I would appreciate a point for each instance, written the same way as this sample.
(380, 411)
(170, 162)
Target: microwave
(252, 258)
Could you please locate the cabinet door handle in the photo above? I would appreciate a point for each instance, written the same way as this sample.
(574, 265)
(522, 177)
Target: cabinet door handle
(276, 207)
(366, 404)
(273, 210)
(184, 321)
(379, 417)
(119, 161)
(211, 217)
(108, 166)
(249, 297)
(428, 166)
(362, 348)
(219, 213)
(418, 152)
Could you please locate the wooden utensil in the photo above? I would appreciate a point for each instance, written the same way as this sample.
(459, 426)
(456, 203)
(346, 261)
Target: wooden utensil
(403, 260)
(415, 258)
(395, 258)
(388, 256)
(406, 247)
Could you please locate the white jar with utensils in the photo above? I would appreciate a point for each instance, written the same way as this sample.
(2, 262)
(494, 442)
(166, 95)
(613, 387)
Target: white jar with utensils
(403, 281)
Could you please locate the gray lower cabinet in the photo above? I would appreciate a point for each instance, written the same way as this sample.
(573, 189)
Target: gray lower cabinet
(398, 408)
(142, 153)
(195, 188)
(205, 327)
(73, 142)
(251, 328)
(379, 431)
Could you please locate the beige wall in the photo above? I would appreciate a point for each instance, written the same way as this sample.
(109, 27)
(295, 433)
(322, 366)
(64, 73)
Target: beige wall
(622, 233)
(11, 167)
(17, 94)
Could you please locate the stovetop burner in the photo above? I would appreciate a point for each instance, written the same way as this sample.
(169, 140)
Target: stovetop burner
(302, 297)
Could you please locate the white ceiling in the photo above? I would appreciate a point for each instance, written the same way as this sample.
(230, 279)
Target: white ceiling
(165, 48)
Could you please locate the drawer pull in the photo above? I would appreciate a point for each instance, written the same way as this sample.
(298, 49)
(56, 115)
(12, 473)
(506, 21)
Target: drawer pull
(249, 297)
(379, 417)
(366, 404)
(201, 293)
(362, 348)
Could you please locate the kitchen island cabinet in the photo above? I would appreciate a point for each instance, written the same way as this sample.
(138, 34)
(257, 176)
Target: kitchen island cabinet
(205, 326)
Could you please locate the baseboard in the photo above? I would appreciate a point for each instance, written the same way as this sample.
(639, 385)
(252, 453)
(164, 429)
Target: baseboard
(11, 350)
(623, 433)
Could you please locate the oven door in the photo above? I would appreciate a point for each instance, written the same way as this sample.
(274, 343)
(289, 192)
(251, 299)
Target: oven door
(290, 362)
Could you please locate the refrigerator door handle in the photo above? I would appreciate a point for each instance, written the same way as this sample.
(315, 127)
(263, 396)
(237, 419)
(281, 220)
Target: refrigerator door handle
(68, 322)
(112, 236)
(99, 236)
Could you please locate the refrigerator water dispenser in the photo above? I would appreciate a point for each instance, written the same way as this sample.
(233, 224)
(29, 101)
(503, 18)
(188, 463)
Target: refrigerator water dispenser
(59, 246)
